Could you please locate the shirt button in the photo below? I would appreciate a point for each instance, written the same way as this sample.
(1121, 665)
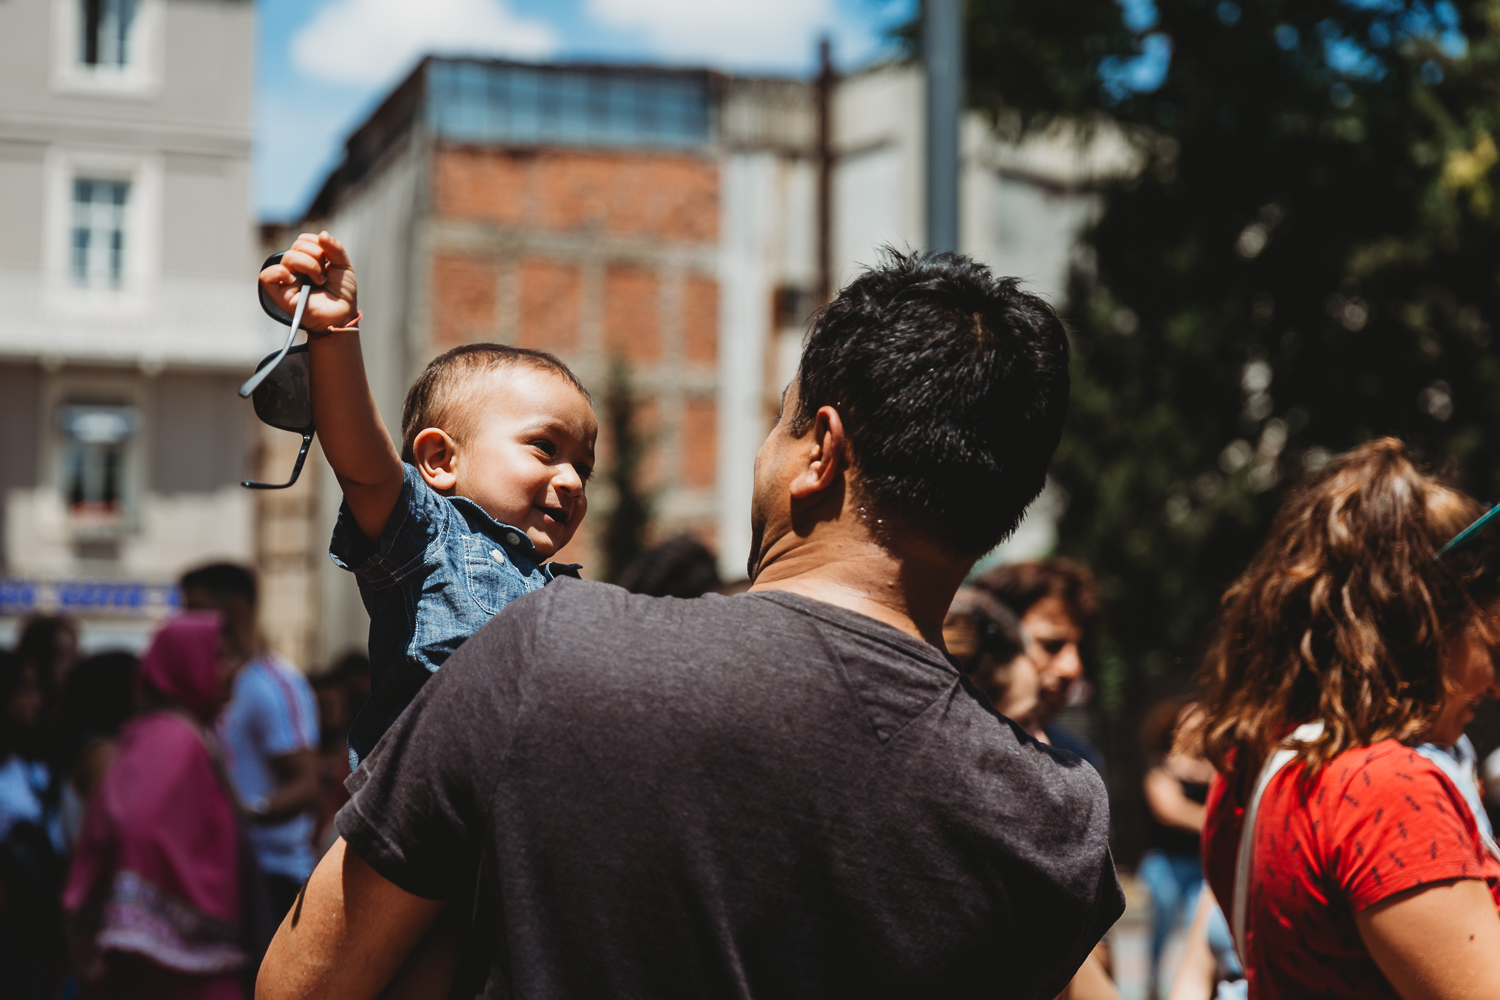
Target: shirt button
(513, 539)
(499, 556)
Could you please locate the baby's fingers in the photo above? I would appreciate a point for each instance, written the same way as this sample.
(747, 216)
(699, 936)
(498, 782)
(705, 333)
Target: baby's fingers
(280, 284)
(333, 250)
(277, 274)
(306, 260)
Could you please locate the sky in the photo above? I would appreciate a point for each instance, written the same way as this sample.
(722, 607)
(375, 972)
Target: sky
(323, 65)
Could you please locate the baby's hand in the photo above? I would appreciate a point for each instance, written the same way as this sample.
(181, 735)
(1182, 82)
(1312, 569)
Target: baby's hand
(333, 301)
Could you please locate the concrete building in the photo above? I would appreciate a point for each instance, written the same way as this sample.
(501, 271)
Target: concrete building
(665, 224)
(128, 318)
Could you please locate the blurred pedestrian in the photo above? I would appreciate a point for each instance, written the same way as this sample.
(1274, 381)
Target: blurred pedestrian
(31, 840)
(50, 644)
(679, 567)
(1363, 869)
(341, 692)
(95, 701)
(154, 897)
(1209, 966)
(269, 732)
(25, 779)
(1058, 603)
(994, 651)
(1176, 786)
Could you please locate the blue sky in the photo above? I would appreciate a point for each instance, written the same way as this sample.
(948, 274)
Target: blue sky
(323, 65)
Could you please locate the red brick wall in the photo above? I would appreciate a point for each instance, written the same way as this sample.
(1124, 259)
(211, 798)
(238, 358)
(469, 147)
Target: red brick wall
(632, 314)
(463, 299)
(663, 195)
(700, 319)
(700, 439)
(550, 304)
(598, 256)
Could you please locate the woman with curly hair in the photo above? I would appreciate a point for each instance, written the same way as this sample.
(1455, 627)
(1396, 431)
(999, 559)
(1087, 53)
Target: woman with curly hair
(1364, 869)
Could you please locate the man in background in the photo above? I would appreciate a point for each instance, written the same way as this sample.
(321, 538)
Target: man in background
(1057, 602)
(270, 735)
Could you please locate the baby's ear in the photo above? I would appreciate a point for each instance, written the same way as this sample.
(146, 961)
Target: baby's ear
(435, 455)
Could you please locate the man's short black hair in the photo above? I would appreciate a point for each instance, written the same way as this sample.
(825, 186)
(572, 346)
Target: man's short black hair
(221, 581)
(952, 385)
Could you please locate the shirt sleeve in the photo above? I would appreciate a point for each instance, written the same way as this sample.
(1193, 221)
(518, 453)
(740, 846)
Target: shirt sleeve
(1399, 823)
(418, 520)
(419, 812)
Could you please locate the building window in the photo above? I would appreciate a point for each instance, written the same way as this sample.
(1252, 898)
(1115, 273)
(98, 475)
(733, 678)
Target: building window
(108, 26)
(472, 101)
(98, 243)
(93, 468)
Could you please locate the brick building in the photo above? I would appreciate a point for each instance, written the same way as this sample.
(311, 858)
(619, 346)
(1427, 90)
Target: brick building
(656, 226)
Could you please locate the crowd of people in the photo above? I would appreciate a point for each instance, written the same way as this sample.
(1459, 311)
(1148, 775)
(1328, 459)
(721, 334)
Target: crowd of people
(158, 813)
(852, 775)
(1320, 772)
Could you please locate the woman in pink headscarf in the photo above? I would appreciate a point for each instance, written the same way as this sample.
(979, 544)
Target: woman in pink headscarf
(154, 894)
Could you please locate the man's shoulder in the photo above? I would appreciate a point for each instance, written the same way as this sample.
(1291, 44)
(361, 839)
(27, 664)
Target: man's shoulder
(1064, 738)
(567, 597)
(611, 616)
(605, 615)
(270, 683)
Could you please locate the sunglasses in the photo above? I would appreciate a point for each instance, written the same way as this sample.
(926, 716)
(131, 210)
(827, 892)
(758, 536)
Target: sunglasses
(281, 388)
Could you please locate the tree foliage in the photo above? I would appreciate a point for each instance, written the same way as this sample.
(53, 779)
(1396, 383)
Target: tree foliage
(629, 509)
(1307, 259)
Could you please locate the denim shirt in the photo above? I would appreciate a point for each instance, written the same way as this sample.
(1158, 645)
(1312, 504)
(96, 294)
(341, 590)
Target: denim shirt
(442, 569)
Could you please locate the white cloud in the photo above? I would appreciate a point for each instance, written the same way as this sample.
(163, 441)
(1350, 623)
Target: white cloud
(733, 33)
(371, 42)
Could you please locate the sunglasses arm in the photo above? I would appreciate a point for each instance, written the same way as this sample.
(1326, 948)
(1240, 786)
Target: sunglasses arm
(251, 484)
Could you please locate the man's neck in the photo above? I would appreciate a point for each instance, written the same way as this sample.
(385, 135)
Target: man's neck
(860, 575)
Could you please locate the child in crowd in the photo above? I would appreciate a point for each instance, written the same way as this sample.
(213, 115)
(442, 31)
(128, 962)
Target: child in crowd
(497, 446)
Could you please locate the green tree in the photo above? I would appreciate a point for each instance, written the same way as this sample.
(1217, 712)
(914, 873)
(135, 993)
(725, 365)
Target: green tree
(1309, 257)
(630, 508)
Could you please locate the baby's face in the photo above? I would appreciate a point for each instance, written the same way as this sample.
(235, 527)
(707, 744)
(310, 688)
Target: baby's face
(529, 454)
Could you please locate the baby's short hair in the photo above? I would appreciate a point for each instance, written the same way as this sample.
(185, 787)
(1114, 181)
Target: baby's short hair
(437, 397)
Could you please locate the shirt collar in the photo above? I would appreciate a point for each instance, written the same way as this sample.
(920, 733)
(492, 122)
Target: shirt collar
(499, 531)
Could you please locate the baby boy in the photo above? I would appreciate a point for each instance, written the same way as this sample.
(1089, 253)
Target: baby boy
(497, 446)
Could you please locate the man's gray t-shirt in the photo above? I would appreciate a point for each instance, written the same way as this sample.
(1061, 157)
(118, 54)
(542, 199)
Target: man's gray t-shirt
(750, 796)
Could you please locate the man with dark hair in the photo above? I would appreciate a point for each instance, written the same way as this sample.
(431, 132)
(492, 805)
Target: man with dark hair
(269, 731)
(1058, 603)
(679, 567)
(49, 643)
(788, 792)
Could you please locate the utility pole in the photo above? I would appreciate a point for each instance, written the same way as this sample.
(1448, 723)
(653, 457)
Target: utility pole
(824, 91)
(943, 56)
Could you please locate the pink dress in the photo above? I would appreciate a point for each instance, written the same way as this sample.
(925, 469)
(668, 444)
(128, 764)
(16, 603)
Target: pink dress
(153, 896)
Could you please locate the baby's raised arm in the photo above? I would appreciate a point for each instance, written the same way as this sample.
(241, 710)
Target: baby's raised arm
(355, 439)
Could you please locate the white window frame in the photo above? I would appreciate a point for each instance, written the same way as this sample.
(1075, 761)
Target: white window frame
(143, 222)
(67, 388)
(140, 78)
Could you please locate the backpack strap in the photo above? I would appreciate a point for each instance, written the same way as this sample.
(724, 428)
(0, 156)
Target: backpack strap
(1244, 865)
(1458, 765)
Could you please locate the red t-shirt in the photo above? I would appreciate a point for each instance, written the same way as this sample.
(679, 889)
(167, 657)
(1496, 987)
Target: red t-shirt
(1376, 821)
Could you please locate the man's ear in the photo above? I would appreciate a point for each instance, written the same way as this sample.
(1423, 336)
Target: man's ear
(827, 455)
(436, 456)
